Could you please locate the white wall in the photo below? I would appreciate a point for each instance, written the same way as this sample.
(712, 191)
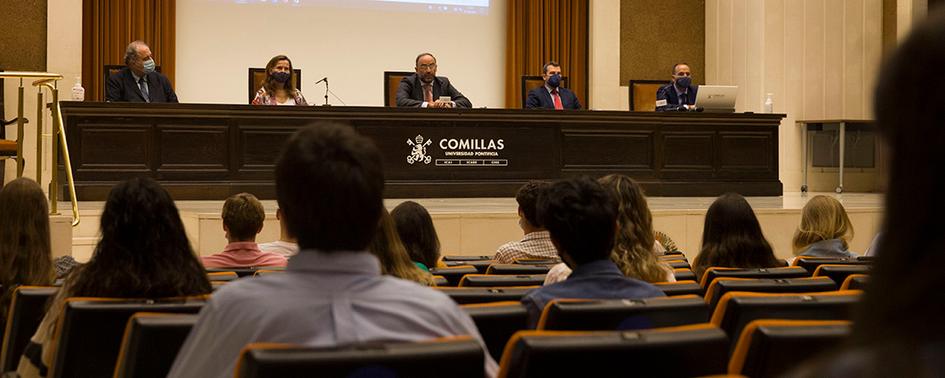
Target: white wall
(218, 40)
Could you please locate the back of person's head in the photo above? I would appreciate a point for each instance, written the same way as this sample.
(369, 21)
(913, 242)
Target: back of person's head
(25, 253)
(143, 250)
(243, 217)
(904, 302)
(633, 246)
(581, 217)
(823, 218)
(394, 259)
(732, 237)
(415, 227)
(527, 198)
(329, 184)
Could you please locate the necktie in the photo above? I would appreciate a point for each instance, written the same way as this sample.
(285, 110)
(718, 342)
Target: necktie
(684, 99)
(143, 85)
(557, 99)
(428, 93)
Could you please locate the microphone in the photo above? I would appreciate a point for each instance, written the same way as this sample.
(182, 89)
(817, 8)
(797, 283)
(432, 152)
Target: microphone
(325, 79)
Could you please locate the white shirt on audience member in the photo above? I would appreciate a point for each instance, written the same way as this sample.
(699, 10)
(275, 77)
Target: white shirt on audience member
(282, 247)
(323, 300)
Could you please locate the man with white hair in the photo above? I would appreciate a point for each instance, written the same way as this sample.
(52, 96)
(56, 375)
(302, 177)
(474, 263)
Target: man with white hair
(139, 81)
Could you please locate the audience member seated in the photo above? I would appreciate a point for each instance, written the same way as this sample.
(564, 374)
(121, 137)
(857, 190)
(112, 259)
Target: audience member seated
(138, 81)
(277, 88)
(243, 217)
(898, 330)
(636, 248)
(287, 245)
(143, 253)
(329, 184)
(825, 230)
(416, 231)
(25, 254)
(536, 244)
(582, 219)
(732, 237)
(395, 261)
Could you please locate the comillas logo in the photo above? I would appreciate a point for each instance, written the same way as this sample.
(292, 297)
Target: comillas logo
(472, 144)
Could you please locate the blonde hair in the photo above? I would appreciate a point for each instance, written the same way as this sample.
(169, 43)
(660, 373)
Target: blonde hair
(823, 218)
(243, 215)
(395, 260)
(633, 247)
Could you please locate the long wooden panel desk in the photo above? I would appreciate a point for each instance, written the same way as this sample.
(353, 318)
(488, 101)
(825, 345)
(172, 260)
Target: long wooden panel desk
(204, 151)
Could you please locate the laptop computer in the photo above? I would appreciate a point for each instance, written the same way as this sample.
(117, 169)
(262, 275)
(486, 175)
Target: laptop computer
(717, 98)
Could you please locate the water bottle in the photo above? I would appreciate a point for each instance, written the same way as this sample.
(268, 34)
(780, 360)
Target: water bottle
(78, 93)
(769, 103)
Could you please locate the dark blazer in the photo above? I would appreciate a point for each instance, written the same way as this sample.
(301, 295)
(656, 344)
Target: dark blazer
(121, 87)
(410, 92)
(668, 93)
(540, 98)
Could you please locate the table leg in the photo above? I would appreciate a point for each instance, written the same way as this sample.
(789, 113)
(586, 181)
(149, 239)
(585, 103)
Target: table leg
(843, 140)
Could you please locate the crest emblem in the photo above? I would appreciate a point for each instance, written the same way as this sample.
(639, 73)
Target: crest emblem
(418, 150)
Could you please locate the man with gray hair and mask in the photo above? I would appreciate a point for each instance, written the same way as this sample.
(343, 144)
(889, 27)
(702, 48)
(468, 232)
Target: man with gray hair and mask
(138, 81)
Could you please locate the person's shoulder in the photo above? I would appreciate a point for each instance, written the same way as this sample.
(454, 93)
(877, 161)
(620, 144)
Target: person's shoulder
(664, 88)
(416, 295)
(443, 80)
(409, 79)
(643, 288)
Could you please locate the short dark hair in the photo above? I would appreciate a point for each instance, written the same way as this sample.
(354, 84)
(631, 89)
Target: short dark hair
(416, 231)
(675, 66)
(527, 198)
(417, 61)
(243, 215)
(550, 63)
(329, 185)
(581, 217)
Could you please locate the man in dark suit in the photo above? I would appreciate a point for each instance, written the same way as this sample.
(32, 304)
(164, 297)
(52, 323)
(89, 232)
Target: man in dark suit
(680, 95)
(138, 82)
(552, 95)
(424, 89)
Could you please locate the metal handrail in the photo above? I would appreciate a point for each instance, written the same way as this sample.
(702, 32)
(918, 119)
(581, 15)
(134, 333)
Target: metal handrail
(50, 81)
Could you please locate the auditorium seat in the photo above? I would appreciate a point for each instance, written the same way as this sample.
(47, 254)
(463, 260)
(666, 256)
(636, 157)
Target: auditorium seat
(498, 280)
(243, 272)
(481, 265)
(468, 295)
(736, 309)
(497, 322)
(391, 83)
(772, 347)
(855, 282)
(440, 281)
(517, 269)
(27, 309)
(460, 356)
(643, 94)
(785, 272)
(811, 263)
(623, 314)
(454, 274)
(150, 344)
(90, 331)
(686, 351)
(222, 276)
(678, 264)
(679, 287)
(684, 275)
(839, 273)
(263, 272)
(723, 285)
(537, 261)
(466, 258)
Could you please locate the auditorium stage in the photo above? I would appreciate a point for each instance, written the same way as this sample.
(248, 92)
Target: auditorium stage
(474, 226)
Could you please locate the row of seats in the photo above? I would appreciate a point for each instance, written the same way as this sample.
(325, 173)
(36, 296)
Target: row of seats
(694, 350)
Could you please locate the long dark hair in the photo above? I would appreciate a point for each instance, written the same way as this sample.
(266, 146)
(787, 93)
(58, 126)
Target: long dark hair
(904, 302)
(732, 237)
(270, 84)
(25, 252)
(415, 227)
(143, 252)
(395, 261)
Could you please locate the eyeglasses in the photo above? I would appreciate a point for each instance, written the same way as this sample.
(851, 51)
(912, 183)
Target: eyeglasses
(427, 66)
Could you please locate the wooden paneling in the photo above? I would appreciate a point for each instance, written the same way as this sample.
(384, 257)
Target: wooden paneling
(211, 151)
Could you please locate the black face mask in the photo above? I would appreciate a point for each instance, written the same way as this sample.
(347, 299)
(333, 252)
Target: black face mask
(683, 81)
(281, 77)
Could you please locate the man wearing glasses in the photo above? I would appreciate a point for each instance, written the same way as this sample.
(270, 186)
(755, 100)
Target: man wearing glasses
(680, 95)
(426, 90)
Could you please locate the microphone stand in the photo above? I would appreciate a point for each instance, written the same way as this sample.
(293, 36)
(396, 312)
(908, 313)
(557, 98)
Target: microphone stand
(326, 93)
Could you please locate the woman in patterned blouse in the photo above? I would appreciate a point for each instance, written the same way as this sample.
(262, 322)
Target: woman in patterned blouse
(278, 88)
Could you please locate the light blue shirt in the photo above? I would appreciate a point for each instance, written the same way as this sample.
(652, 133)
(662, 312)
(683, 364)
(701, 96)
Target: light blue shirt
(322, 300)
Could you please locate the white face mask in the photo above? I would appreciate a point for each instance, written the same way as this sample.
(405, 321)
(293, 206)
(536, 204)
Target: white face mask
(148, 66)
